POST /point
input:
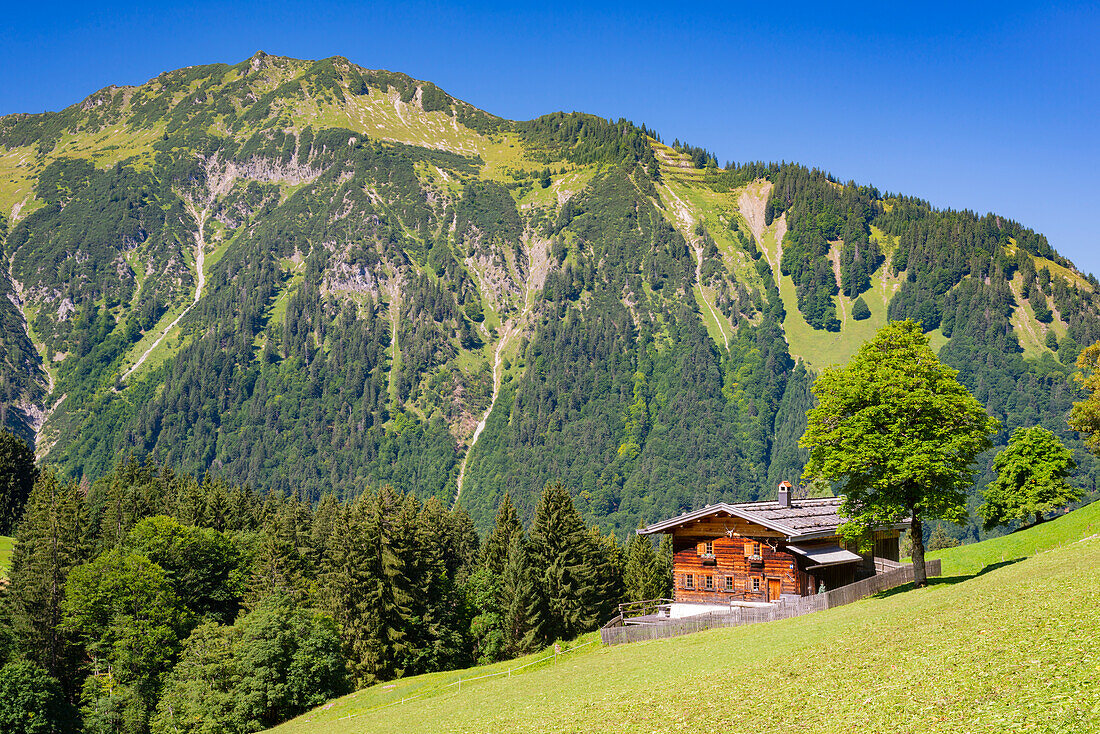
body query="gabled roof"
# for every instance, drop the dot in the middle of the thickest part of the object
(804, 519)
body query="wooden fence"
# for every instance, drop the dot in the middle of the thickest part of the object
(619, 631)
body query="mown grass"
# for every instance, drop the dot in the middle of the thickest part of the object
(993, 646)
(6, 545)
(1061, 531)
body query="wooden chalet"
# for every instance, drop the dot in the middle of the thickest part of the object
(762, 551)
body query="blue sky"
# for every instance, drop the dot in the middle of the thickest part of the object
(984, 107)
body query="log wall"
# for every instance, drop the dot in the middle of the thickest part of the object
(748, 575)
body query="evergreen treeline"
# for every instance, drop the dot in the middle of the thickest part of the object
(819, 213)
(150, 602)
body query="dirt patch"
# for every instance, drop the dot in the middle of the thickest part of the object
(834, 258)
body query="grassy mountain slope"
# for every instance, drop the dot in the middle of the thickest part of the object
(1003, 642)
(311, 276)
(5, 555)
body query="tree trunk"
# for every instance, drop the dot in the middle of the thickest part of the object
(916, 534)
(1038, 517)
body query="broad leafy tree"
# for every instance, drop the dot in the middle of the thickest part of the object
(1031, 478)
(1085, 416)
(899, 434)
(202, 565)
(123, 610)
(31, 701)
(289, 660)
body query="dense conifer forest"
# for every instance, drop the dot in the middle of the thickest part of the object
(148, 601)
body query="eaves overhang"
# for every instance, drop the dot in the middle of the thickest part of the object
(710, 511)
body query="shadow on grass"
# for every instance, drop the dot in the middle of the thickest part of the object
(948, 580)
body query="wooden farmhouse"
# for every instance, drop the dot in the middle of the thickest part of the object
(763, 551)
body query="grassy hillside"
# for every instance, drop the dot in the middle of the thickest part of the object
(5, 555)
(1004, 642)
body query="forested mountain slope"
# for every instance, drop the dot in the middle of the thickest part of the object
(308, 275)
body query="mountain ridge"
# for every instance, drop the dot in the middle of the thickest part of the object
(398, 287)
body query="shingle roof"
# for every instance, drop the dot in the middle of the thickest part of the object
(801, 518)
(806, 518)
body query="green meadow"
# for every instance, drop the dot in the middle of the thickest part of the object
(1004, 641)
(6, 545)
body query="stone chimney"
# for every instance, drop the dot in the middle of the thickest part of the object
(784, 497)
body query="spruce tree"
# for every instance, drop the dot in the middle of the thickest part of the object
(642, 575)
(350, 580)
(51, 540)
(386, 603)
(606, 568)
(17, 476)
(440, 637)
(664, 566)
(495, 553)
(463, 545)
(524, 614)
(860, 311)
(560, 550)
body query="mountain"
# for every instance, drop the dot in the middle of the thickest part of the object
(310, 276)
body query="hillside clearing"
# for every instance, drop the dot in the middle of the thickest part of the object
(6, 545)
(988, 648)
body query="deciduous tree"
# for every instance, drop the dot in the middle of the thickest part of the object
(1085, 416)
(31, 701)
(1031, 478)
(898, 433)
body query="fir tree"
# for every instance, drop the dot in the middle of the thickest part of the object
(495, 552)
(560, 551)
(642, 575)
(51, 540)
(17, 476)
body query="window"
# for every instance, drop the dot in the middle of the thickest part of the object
(708, 548)
(756, 584)
(689, 581)
(752, 549)
(708, 583)
(729, 583)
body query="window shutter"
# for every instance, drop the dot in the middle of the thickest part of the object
(701, 548)
(748, 548)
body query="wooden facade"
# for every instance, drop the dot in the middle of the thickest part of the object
(724, 554)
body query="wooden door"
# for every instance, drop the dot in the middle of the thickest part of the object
(774, 586)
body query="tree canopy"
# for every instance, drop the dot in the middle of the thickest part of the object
(1031, 478)
(898, 433)
(1085, 415)
(17, 475)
